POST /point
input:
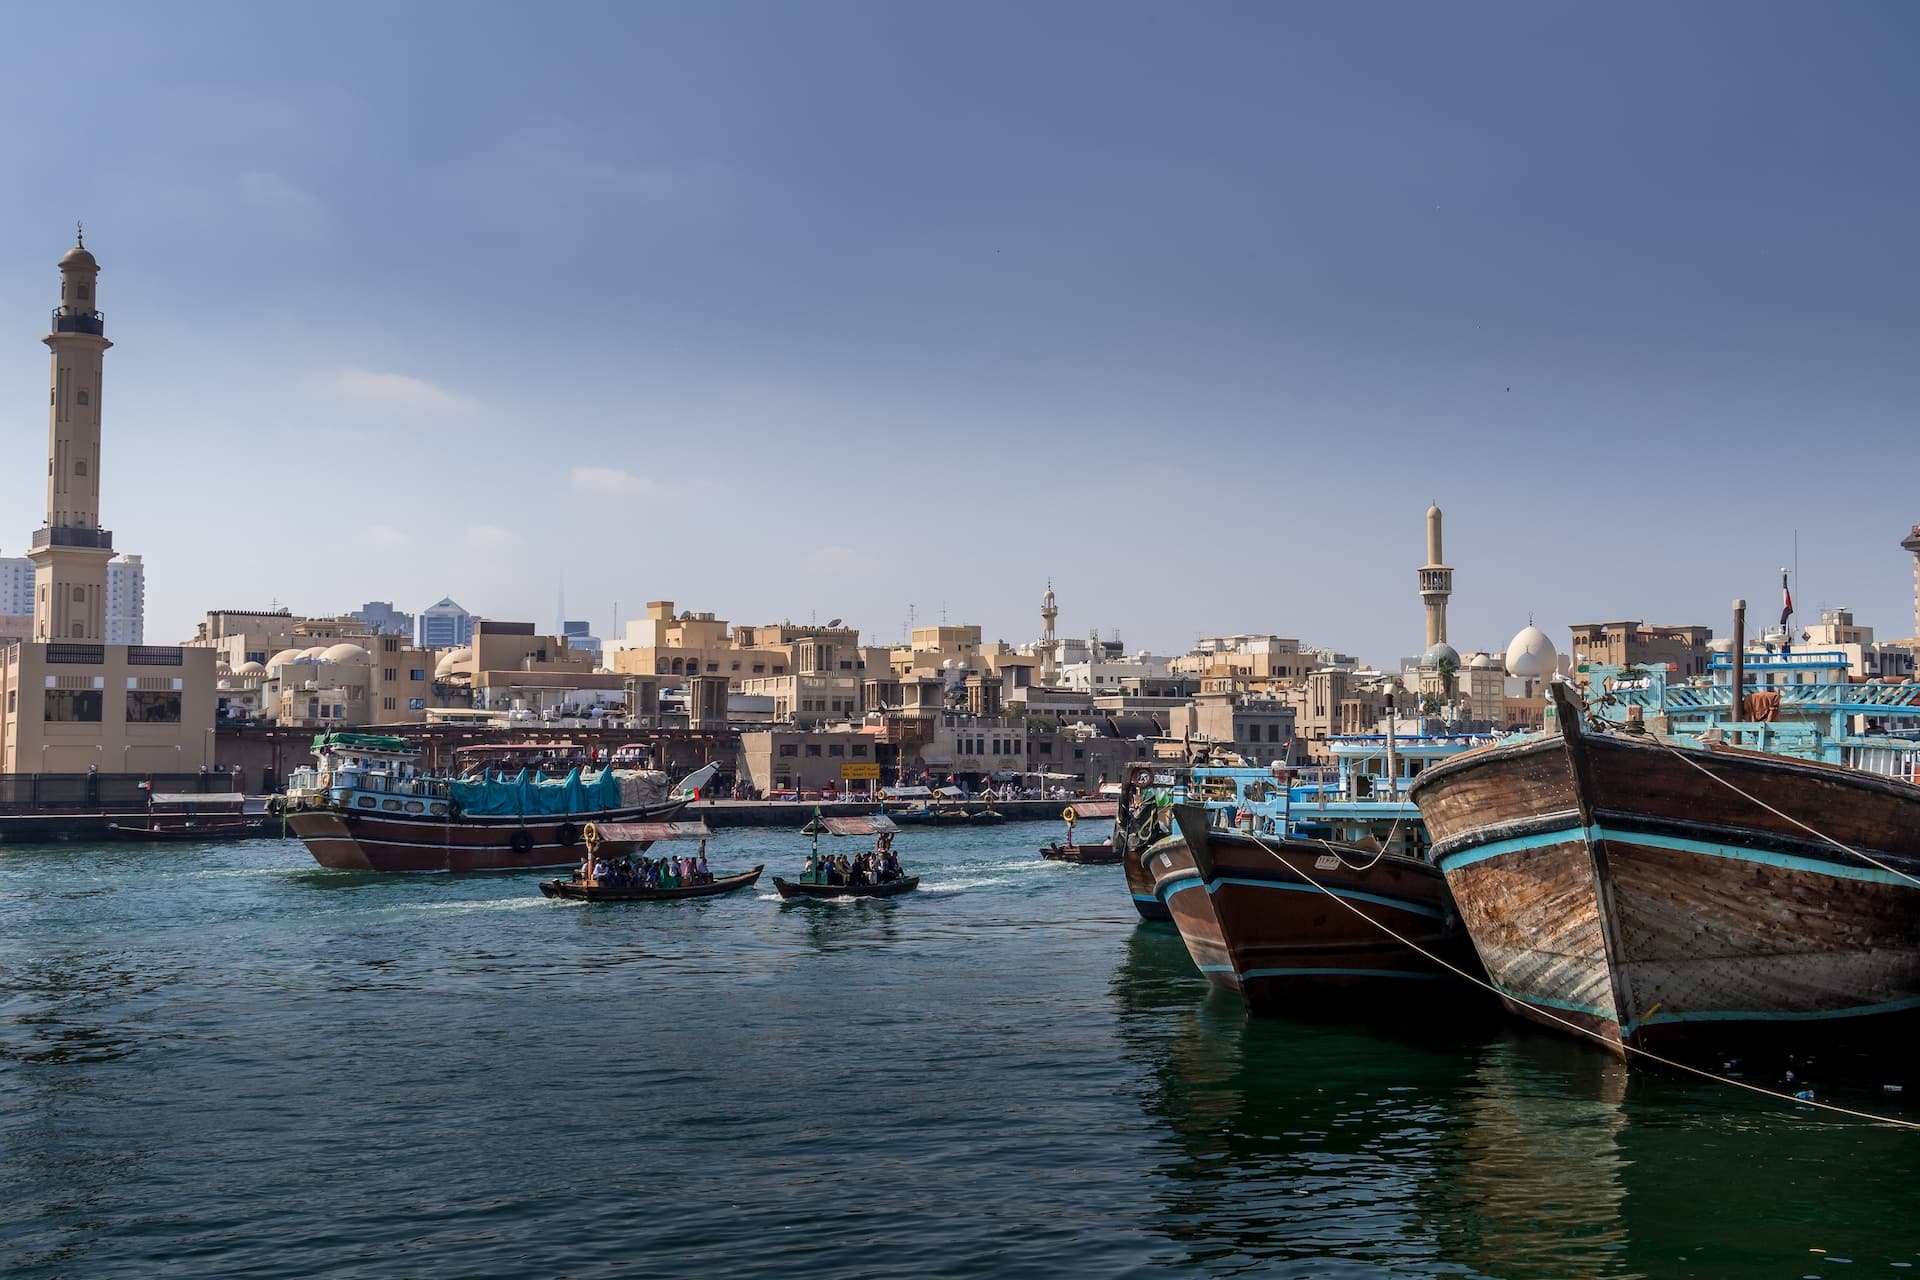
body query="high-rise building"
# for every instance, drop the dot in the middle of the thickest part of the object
(126, 601)
(382, 619)
(1912, 543)
(445, 625)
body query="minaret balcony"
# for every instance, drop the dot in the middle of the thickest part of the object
(66, 321)
(63, 536)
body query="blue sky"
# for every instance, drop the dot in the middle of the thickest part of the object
(823, 310)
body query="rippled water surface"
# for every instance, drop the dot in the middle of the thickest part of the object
(225, 1061)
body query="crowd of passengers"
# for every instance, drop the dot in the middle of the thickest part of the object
(646, 873)
(879, 866)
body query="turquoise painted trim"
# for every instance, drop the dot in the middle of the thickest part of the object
(1324, 973)
(1186, 882)
(1677, 844)
(1550, 1002)
(1343, 973)
(1735, 1015)
(1146, 897)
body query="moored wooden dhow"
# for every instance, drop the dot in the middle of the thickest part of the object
(1260, 917)
(1669, 893)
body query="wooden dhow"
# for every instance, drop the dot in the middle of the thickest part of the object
(1663, 891)
(366, 806)
(1299, 925)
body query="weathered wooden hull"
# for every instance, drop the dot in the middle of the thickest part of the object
(891, 888)
(351, 841)
(1083, 854)
(1140, 883)
(634, 893)
(1255, 922)
(1610, 884)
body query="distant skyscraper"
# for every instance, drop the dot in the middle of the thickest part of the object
(445, 626)
(381, 618)
(580, 636)
(16, 586)
(1912, 543)
(126, 601)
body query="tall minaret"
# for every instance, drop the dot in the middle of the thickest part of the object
(1912, 543)
(70, 554)
(1049, 647)
(1436, 582)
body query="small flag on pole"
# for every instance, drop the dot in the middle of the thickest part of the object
(1786, 599)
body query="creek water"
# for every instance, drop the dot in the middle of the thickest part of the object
(225, 1061)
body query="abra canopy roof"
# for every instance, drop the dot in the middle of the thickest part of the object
(874, 824)
(637, 832)
(212, 800)
(1081, 809)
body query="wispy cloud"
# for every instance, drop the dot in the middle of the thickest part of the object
(833, 560)
(548, 171)
(382, 536)
(287, 202)
(394, 391)
(490, 537)
(612, 481)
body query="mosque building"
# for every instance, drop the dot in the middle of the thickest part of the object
(75, 701)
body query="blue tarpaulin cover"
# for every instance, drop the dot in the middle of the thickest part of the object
(594, 791)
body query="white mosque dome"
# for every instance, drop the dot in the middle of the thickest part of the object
(344, 652)
(1480, 661)
(1531, 656)
(449, 660)
(249, 669)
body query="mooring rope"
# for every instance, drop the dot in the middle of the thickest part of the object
(1787, 817)
(1571, 1025)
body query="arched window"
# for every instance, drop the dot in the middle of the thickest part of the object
(80, 396)
(80, 466)
(79, 630)
(79, 595)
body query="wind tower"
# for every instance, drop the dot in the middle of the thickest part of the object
(1436, 582)
(1049, 646)
(1912, 543)
(71, 551)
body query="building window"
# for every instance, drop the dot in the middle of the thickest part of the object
(80, 464)
(80, 397)
(388, 703)
(736, 666)
(79, 630)
(72, 706)
(416, 704)
(859, 749)
(389, 674)
(145, 707)
(836, 750)
(759, 668)
(158, 655)
(1079, 753)
(713, 668)
(79, 595)
(416, 673)
(13, 700)
(813, 748)
(788, 749)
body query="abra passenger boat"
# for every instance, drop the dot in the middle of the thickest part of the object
(878, 825)
(367, 807)
(193, 816)
(1658, 886)
(621, 838)
(1101, 853)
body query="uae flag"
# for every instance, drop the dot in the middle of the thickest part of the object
(1786, 599)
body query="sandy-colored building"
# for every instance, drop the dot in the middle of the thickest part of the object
(689, 644)
(1626, 644)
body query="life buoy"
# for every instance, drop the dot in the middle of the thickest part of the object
(521, 842)
(1068, 815)
(568, 835)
